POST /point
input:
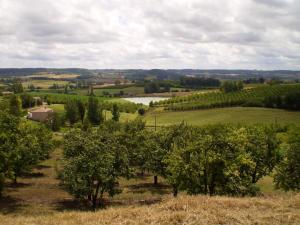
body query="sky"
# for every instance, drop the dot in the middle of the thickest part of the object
(147, 34)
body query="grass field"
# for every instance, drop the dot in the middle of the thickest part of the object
(124, 117)
(235, 115)
(244, 115)
(59, 108)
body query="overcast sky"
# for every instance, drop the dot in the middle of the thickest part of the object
(204, 34)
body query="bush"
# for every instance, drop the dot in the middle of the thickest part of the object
(141, 111)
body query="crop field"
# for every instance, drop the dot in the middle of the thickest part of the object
(55, 76)
(44, 84)
(245, 115)
(219, 99)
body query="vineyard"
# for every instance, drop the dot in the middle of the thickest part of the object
(246, 97)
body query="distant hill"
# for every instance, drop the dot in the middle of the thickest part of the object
(136, 74)
(15, 72)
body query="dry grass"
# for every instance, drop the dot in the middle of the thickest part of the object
(55, 76)
(44, 84)
(183, 210)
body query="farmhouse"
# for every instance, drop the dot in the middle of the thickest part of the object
(40, 114)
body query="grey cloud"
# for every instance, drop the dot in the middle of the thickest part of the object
(275, 3)
(249, 34)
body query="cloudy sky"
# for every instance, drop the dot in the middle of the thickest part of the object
(229, 34)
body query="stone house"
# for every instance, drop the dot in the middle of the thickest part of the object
(40, 114)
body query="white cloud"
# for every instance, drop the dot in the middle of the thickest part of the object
(248, 34)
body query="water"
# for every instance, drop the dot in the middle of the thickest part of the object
(145, 100)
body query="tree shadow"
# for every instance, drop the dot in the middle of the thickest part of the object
(141, 202)
(85, 206)
(17, 185)
(72, 205)
(10, 205)
(153, 188)
(142, 176)
(40, 167)
(33, 175)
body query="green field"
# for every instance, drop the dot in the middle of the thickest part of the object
(246, 115)
(124, 117)
(59, 108)
(62, 98)
(132, 90)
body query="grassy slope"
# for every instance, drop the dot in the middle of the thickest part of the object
(211, 116)
(183, 210)
(225, 115)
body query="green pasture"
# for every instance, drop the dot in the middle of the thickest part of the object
(244, 115)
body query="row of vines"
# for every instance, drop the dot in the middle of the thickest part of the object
(246, 97)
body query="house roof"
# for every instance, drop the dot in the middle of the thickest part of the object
(42, 109)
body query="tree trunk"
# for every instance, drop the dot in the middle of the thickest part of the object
(254, 176)
(155, 180)
(175, 191)
(212, 189)
(205, 173)
(101, 201)
(205, 182)
(94, 202)
(15, 180)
